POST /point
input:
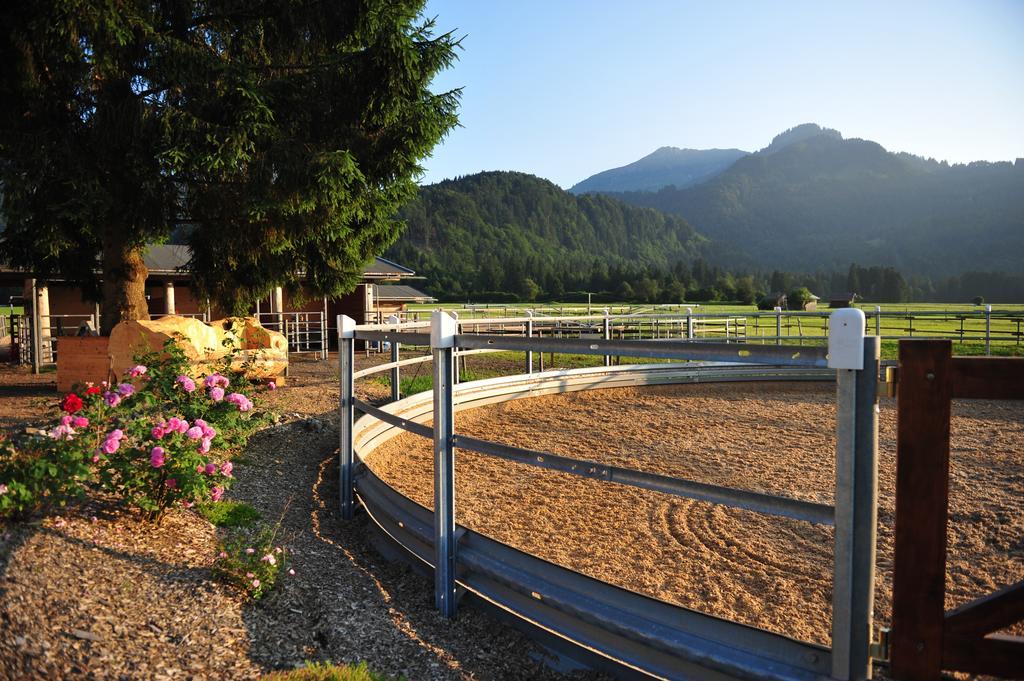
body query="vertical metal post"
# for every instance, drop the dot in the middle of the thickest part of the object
(988, 329)
(346, 412)
(878, 320)
(689, 323)
(443, 329)
(455, 351)
(396, 392)
(856, 493)
(529, 334)
(606, 333)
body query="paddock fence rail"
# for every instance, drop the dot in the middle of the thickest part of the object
(632, 633)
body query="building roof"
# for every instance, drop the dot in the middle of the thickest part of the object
(401, 293)
(173, 259)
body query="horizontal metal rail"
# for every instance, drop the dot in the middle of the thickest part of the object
(768, 504)
(405, 424)
(807, 356)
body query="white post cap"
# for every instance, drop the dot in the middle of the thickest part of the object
(346, 326)
(778, 309)
(394, 319)
(443, 328)
(846, 339)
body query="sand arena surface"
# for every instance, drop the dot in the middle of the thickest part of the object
(779, 438)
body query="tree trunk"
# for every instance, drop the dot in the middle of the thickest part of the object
(124, 284)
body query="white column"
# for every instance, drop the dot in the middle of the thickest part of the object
(43, 305)
(278, 307)
(169, 297)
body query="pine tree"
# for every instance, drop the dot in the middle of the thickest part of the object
(280, 137)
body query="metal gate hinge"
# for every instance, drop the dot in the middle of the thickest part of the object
(879, 649)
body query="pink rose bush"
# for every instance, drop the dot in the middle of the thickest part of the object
(153, 439)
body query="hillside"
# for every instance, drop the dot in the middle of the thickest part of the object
(814, 200)
(668, 166)
(512, 232)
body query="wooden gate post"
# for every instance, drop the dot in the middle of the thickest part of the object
(922, 502)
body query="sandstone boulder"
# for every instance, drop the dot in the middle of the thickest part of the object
(260, 352)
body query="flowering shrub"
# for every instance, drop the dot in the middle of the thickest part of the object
(251, 560)
(153, 439)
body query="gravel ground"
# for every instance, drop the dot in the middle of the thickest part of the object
(92, 592)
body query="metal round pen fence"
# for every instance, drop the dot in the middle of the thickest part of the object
(621, 630)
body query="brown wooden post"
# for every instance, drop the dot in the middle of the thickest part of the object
(922, 501)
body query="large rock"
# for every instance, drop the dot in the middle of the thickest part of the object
(262, 353)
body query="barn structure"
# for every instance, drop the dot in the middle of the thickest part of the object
(63, 306)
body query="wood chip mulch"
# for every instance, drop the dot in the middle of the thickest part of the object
(93, 592)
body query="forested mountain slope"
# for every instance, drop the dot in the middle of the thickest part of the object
(512, 232)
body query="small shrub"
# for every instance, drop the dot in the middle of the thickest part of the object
(228, 513)
(251, 559)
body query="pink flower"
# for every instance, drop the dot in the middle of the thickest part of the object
(63, 432)
(112, 399)
(157, 432)
(209, 433)
(216, 493)
(95, 458)
(171, 483)
(222, 555)
(186, 383)
(271, 386)
(110, 445)
(200, 468)
(250, 551)
(204, 446)
(194, 433)
(182, 426)
(241, 400)
(188, 504)
(290, 571)
(211, 468)
(216, 393)
(249, 575)
(81, 422)
(255, 583)
(226, 468)
(156, 457)
(66, 420)
(125, 389)
(277, 550)
(3, 489)
(117, 434)
(216, 380)
(199, 422)
(137, 370)
(269, 558)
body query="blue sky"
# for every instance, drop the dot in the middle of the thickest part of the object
(566, 88)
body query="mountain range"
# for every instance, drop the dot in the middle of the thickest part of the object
(812, 199)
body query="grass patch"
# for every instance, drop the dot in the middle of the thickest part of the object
(229, 513)
(329, 672)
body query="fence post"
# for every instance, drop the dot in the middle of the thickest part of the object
(878, 320)
(346, 411)
(455, 351)
(856, 360)
(778, 325)
(689, 323)
(606, 333)
(443, 329)
(529, 334)
(988, 329)
(396, 392)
